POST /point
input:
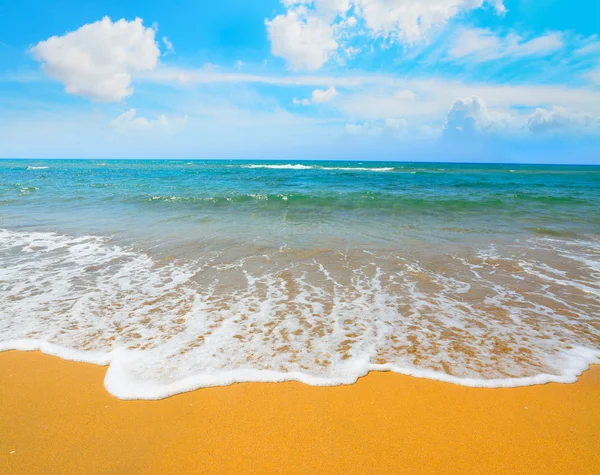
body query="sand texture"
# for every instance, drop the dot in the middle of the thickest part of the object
(56, 417)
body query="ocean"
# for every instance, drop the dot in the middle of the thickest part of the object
(183, 274)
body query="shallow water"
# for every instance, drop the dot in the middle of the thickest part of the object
(183, 274)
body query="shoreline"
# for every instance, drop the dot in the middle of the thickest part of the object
(117, 384)
(56, 416)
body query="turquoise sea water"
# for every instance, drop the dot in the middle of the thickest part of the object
(296, 199)
(182, 274)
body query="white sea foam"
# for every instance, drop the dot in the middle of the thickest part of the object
(290, 166)
(501, 318)
(282, 167)
(37, 168)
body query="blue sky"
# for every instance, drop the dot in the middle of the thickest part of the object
(444, 80)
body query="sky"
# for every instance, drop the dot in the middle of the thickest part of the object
(429, 80)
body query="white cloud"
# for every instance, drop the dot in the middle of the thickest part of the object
(388, 127)
(357, 129)
(207, 75)
(423, 101)
(349, 22)
(239, 64)
(593, 75)
(435, 96)
(168, 45)
(410, 21)
(351, 52)
(560, 120)
(405, 95)
(427, 132)
(318, 96)
(130, 122)
(589, 46)
(311, 31)
(484, 45)
(98, 59)
(216, 128)
(396, 124)
(471, 115)
(365, 129)
(301, 102)
(304, 41)
(333, 7)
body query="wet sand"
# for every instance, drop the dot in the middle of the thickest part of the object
(56, 417)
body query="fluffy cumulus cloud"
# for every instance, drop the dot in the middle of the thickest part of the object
(130, 122)
(471, 116)
(409, 21)
(313, 31)
(561, 121)
(304, 41)
(97, 60)
(478, 44)
(318, 96)
(470, 119)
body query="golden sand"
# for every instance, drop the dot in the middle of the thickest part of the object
(56, 417)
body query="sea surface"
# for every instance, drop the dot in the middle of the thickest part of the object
(187, 274)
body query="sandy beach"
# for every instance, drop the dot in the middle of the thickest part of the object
(300, 237)
(56, 417)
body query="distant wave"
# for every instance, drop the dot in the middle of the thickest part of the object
(298, 166)
(281, 167)
(37, 168)
(379, 201)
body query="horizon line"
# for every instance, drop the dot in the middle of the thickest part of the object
(311, 160)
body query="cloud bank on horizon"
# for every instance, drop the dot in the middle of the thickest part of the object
(475, 80)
